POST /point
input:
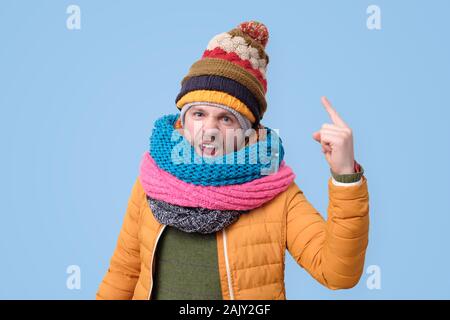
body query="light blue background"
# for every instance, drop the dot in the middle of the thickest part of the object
(77, 108)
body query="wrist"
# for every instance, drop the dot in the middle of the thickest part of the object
(349, 169)
(344, 171)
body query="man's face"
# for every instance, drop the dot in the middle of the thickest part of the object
(212, 131)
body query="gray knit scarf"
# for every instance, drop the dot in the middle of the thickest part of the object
(190, 219)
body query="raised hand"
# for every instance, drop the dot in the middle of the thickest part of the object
(336, 139)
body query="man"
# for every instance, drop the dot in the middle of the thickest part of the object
(199, 226)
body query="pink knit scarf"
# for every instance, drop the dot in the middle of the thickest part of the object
(164, 186)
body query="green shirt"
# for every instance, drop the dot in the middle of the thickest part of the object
(186, 266)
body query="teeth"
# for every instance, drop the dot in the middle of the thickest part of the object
(208, 145)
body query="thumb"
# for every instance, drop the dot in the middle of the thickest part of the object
(316, 136)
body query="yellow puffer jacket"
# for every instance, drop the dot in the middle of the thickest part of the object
(251, 251)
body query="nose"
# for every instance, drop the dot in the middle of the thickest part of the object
(210, 129)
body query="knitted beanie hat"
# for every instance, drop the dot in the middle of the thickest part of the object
(231, 74)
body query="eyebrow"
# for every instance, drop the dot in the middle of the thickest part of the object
(222, 113)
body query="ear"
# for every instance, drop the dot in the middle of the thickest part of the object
(177, 124)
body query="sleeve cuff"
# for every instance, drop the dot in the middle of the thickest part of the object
(350, 179)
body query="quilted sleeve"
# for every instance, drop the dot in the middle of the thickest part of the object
(331, 251)
(124, 269)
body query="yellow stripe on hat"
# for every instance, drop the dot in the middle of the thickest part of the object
(217, 97)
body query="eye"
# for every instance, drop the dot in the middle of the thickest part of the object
(197, 113)
(227, 119)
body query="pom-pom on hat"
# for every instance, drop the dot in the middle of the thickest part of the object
(231, 73)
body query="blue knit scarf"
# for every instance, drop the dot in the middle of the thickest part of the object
(173, 153)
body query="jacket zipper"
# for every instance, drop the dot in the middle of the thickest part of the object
(152, 258)
(230, 287)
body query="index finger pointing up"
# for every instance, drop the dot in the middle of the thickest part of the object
(337, 120)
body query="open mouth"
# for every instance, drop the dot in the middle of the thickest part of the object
(208, 149)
